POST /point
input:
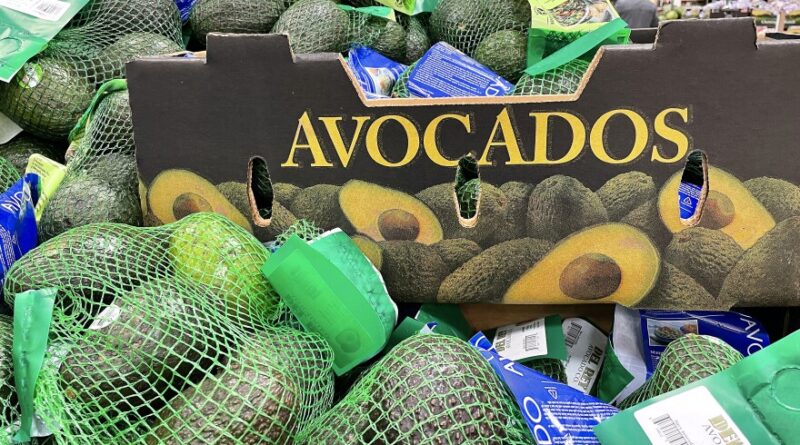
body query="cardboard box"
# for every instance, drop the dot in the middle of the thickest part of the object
(703, 85)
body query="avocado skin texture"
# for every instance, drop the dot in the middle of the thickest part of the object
(82, 200)
(561, 205)
(18, 150)
(465, 23)
(320, 205)
(412, 271)
(383, 35)
(647, 219)
(624, 193)
(314, 26)
(455, 252)
(112, 59)
(230, 16)
(517, 194)
(282, 218)
(130, 366)
(8, 174)
(284, 193)
(768, 274)
(781, 198)
(417, 39)
(486, 277)
(8, 393)
(491, 211)
(505, 53)
(676, 290)
(704, 254)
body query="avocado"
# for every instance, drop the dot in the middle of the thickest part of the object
(82, 199)
(646, 218)
(674, 289)
(468, 197)
(517, 194)
(563, 80)
(230, 16)
(210, 250)
(139, 348)
(320, 205)
(455, 252)
(491, 211)
(561, 205)
(610, 262)
(8, 174)
(623, 193)
(281, 219)
(781, 198)
(412, 271)
(768, 274)
(160, 16)
(176, 193)
(485, 277)
(46, 98)
(385, 214)
(504, 52)
(729, 207)
(315, 26)
(110, 62)
(117, 169)
(417, 40)
(381, 34)
(427, 389)
(464, 24)
(686, 360)
(284, 193)
(704, 254)
(370, 249)
(18, 150)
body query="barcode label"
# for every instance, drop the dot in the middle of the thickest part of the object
(531, 342)
(521, 341)
(586, 348)
(670, 430)
(573, 332)
(50, 10)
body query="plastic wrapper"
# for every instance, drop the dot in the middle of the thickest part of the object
(375, 73)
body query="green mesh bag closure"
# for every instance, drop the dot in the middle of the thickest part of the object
(686, 360)
(563, 80)
(464, 24)
(315, 26)
(19, 149)
(381, 34)
(170, 335)
(52, 91)
(429, 389)
(101, 183)
(234, 16)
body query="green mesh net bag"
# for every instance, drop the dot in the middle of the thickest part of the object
(464, 24)
(9, 410)
(417, 39)
(686, 360)
(562, 80)
(429, 389)
(8, 174)
(234, 16)
(551, 367)
(315, 26)
(18, 150)
(505, 53)
(52, 91)
(101, 183)
(386, 36)
(468, 196)
(170, 335)
(400, 88)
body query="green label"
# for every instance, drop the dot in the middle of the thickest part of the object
(30, 75)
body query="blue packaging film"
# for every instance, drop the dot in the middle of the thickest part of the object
(375, 73)
(444, 71)
(185, 7)
(659, 328)
(18, 233)
(691, 189)
(689, 198)
(555, 413)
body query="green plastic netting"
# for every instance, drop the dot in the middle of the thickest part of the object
(417, 39)
(551, 367)
(170, 335)
(315, 26)
(8, 394)
(386, 36)
(429, 389)
(101, 183)
(504, 52)
(234, 16)
(18, 150)
(468, 196)
(8, 174)
(563, 80)
(400, 88)
(686, 360)
(52, 91)
(464, 24)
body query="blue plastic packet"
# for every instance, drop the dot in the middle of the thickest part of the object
(693, 189)
(375, 73)
(185, 7)
(555, 413)
(444, 71)
(18, 221)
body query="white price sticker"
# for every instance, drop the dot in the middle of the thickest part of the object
(522, 340)
(50, 10)
(586, 347)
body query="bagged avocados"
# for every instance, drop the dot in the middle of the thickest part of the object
(170, 335)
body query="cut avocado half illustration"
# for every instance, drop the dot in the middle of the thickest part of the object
(602, 264)
(729, 207)
(176, 193)
(370, 249)
(385, 214)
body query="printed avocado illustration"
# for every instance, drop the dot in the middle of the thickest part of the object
(704, 254)
(605, 263)
(769, 273)
(176, 193)
(491, 211)
(282, 218)
(412, 271)
(624, 193)
(676, 289)
(561, 205)
(370, 249)
(284, 193)
(730, 207)
(781, 198)
(320, 205)
(517, 195)
(485, 277)
(455, 252)
(646, 218)
(385, 214)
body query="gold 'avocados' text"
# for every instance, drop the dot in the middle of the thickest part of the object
(670, 143)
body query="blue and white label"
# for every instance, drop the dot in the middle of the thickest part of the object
(689, 199)
(376, 74)
(447, 72)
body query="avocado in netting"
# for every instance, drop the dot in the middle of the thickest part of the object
(231, 16)
(112, 59)
(19, 150)
(315, 26)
